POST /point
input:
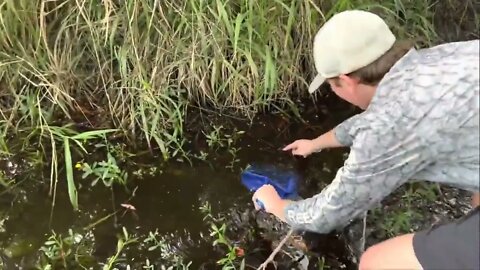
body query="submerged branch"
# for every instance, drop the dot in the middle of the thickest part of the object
(270, 258)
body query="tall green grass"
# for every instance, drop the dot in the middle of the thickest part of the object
(137, 65)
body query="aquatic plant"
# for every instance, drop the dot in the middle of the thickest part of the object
(404, 216)
(65, 136)
(66, 252)
(106, 170)
(123, 241)
(218, 231)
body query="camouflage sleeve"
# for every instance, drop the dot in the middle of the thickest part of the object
(375, 167)
(342, 131)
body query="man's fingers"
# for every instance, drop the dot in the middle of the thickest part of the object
(290, 146)
(296, 152)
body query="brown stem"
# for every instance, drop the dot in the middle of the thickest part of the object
(275, 251)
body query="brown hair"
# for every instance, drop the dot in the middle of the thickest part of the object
(373, 73)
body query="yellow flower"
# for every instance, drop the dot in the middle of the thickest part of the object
(78, 165)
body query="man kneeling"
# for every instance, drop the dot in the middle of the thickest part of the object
(420, 121)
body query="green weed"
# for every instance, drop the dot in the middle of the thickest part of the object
(322, 264)
(155, 242)
(123, 241)
(5, 181)
(74, 250)
(230, 260)
(65, 251)
(66, 136)
(108, 171)
(218, 139)
(398, 220)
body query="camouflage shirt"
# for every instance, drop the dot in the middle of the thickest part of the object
(422, 124)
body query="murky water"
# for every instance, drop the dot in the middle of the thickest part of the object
(167, 197)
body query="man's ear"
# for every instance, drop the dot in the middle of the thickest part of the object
(348, 83)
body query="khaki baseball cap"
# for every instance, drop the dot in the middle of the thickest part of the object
(347, 42)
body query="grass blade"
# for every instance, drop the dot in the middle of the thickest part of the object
(72, 190)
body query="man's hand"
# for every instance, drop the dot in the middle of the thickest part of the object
(301, 147)
(271, 200)
(307, 147)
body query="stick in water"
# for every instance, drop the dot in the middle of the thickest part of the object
(275, 251)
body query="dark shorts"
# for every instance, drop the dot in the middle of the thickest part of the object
(451, 246)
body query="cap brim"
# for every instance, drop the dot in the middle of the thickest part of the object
(315, 84)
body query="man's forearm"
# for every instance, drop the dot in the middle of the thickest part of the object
(279, 209)
(326, 140)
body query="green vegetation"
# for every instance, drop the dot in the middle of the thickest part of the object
(406, 216)
(138, 65)
(65, 252)
(107, 171)
(231, 259)
(123, 241)
(77, 75)
(322, 265)
(74, 252)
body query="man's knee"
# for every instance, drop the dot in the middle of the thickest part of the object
(395, 253)
(475, 199)
(367, 260)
